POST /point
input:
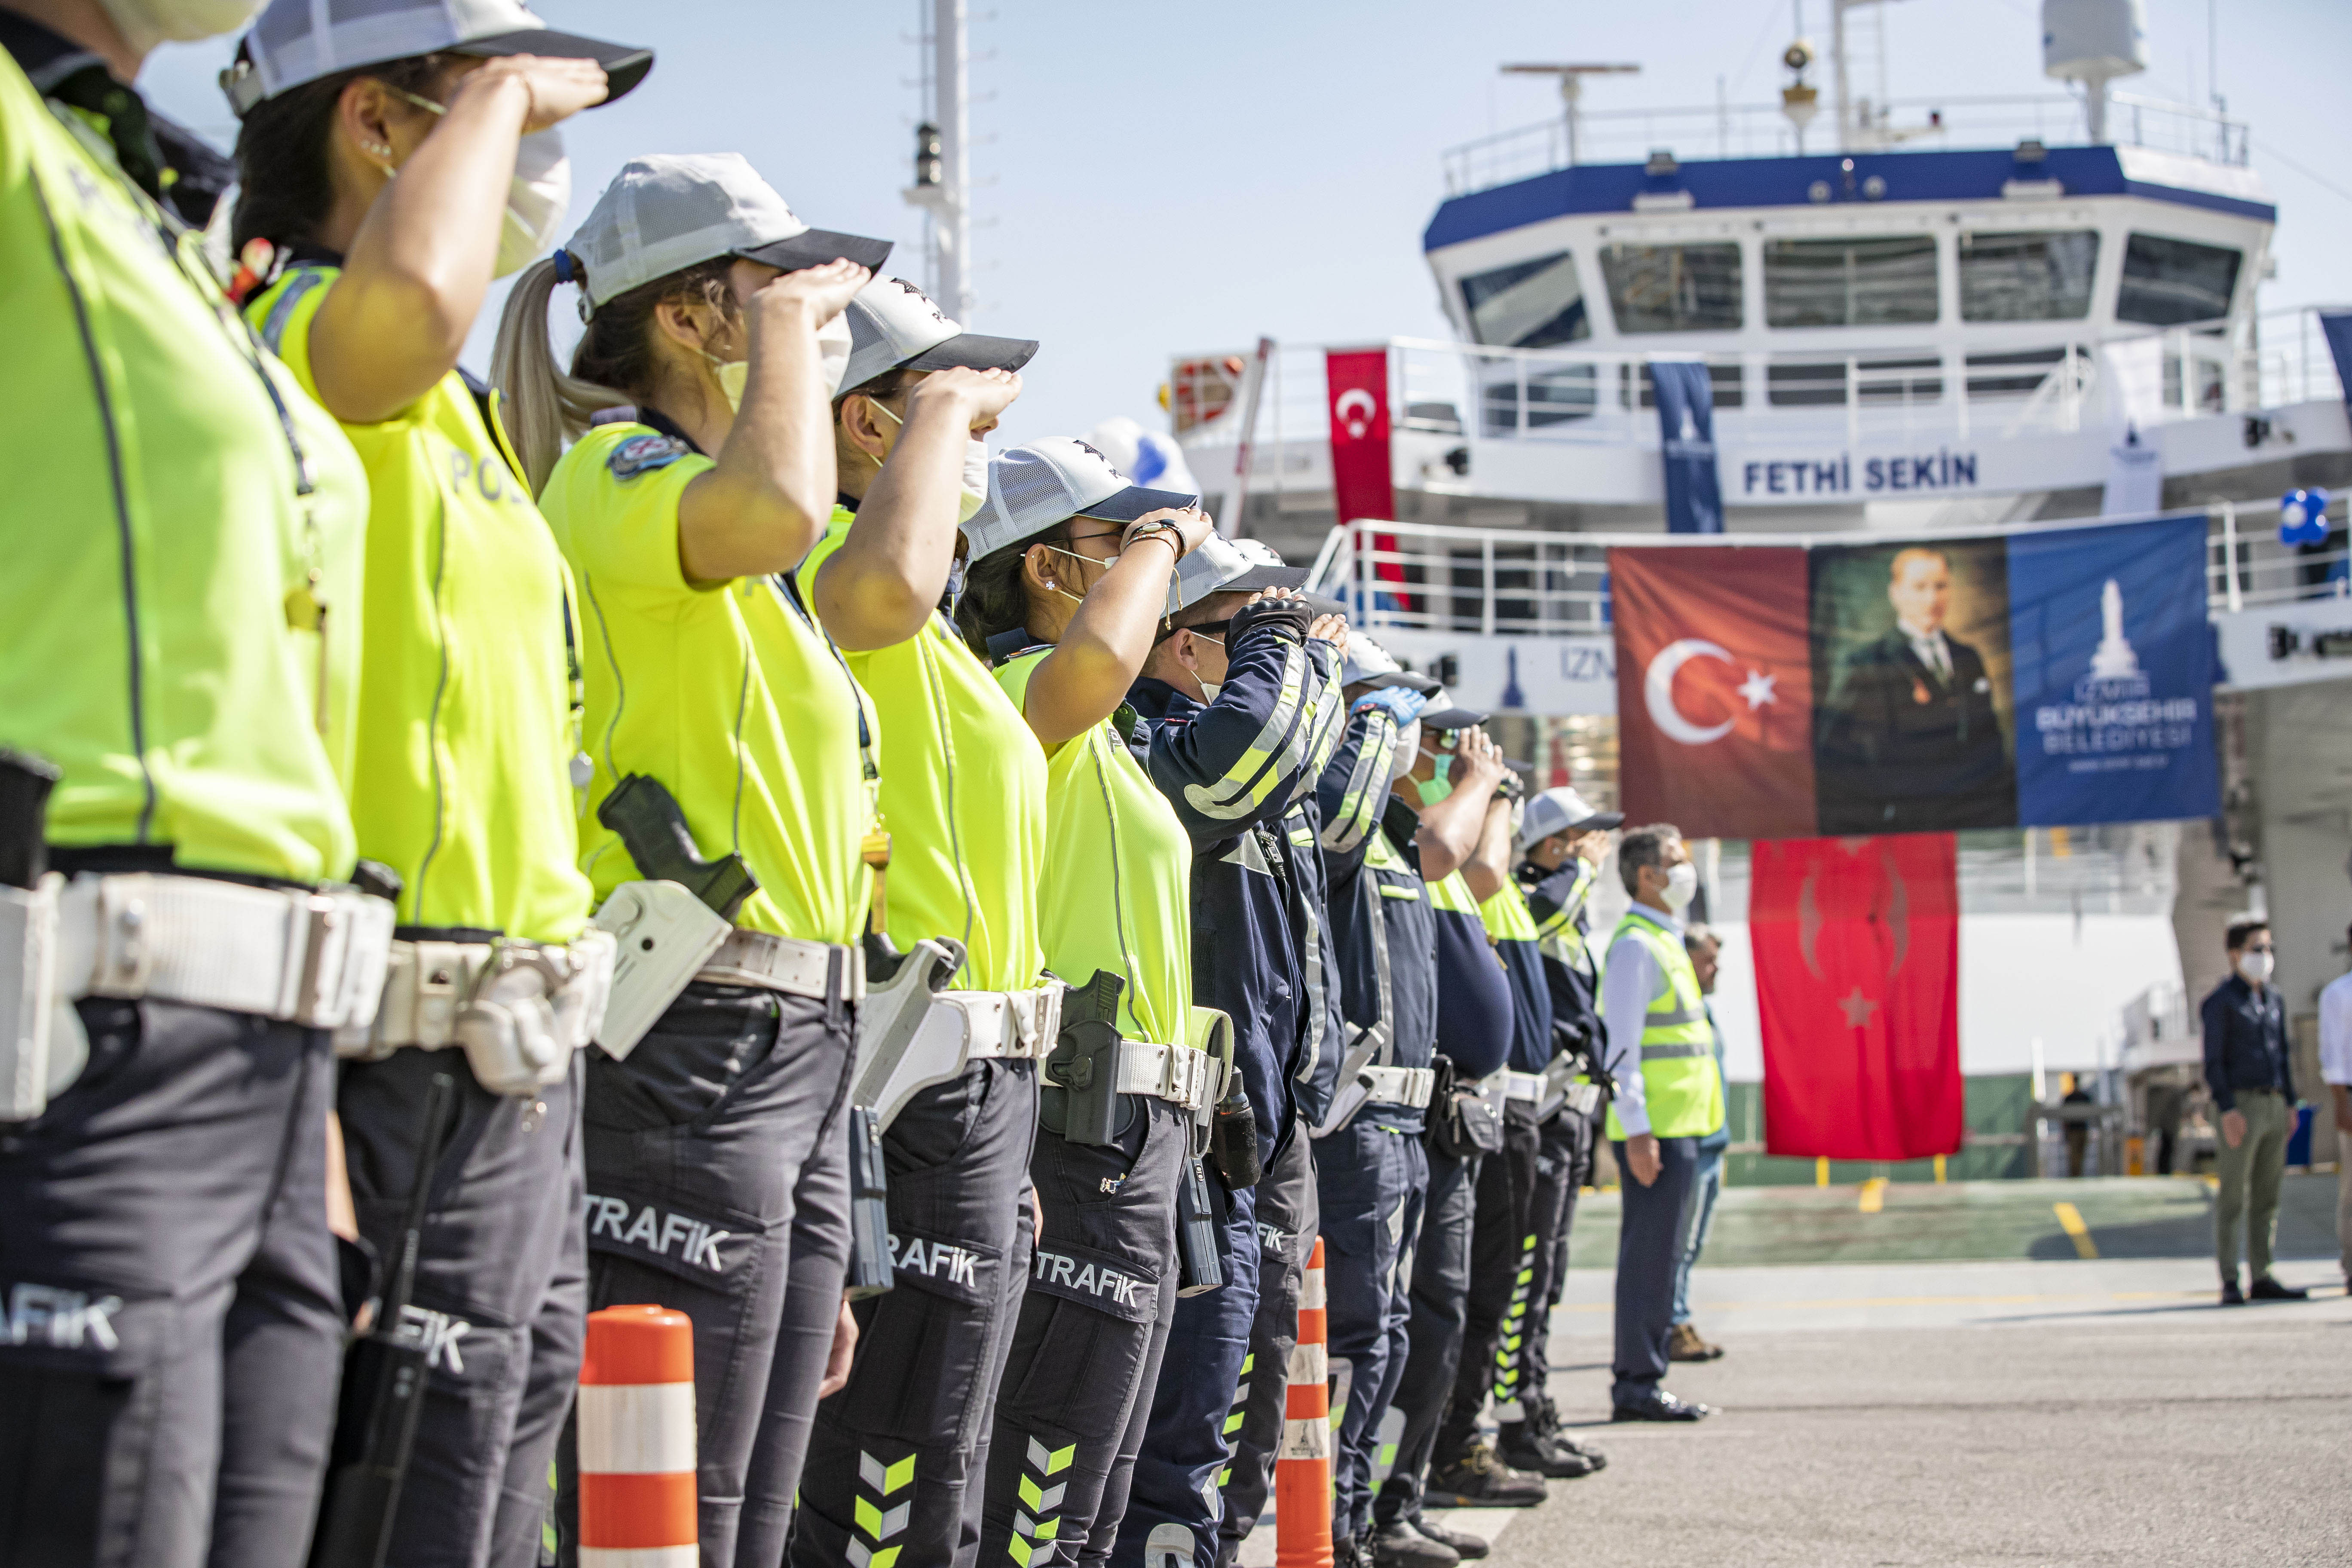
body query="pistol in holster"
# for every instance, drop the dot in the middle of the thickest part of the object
(1084, 1066)
(653, 829)
(896, 1056)
(29, 1004)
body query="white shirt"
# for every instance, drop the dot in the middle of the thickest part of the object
(2335, 1031)
(1627, 982)
(1933, 650)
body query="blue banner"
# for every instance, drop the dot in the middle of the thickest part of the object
(1686, 425)
(2337, 326)
(2113, 674)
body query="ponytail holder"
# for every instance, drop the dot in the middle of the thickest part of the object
(565, 271)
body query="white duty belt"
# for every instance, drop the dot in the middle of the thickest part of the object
(308, 957)
(1019, 1025)
(312, 958)
(1408, 1087)
(1526, 1087)
(429, 986)
(1177, 1074)
(789, 965)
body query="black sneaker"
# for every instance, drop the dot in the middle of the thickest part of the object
(2269, 1289)
(1399, 1545)
(1350, 1554)
(1543, 1421)
(1479, 1480)
(1522, 1448)
(2230, 1295)
(1466, 1545)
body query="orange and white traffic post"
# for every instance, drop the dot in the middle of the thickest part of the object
(637, 1497)
(1302, 1466)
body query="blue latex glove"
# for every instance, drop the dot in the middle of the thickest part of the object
(1403, 703)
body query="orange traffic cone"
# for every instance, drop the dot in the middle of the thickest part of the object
(637, 1497)
(1302, 1466)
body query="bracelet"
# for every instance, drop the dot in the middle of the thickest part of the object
(1162, 529)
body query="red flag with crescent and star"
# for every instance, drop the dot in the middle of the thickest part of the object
(1715, 689)
(1857, 950)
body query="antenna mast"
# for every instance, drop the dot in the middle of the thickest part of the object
(943, 186)
(1572, 81)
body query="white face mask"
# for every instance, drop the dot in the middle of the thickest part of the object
(2257, 966)
(536, 201)
(1681, 886)
(732, 375)
(1209, 688)
(974, 493)
(147, 22)
(833, 352)
(1407, 754)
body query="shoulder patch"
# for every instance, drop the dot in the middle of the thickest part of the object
(644, 453)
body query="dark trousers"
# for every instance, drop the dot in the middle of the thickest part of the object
(1440, 1269)
(1502, 1281)
(1571, 1141)
(1370, 1182)
(897, 1455)
(1287, 1219)
(171, 1325)
(1563, 1163)
(1649, 1253)
(1172, 1508)
(1093, 1327)
(718, 1185)
(502, 1294)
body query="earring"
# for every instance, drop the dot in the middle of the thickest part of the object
(376, 148)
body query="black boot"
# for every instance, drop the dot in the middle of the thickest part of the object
(1466, 1545)
(1399, 1546)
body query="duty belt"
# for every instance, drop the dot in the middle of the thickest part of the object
(1527, 1086)
(429, 986)
(789, 965)
(312, 958)
(1408, 1087)
(1021, 1024)
(1177, 1074)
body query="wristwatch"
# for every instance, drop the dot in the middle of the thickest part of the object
(1146, 530)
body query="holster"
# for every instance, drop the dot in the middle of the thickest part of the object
(1085, 1063)
(665, 934)
(1355, 1089)
(900, 989)
(869, 1207)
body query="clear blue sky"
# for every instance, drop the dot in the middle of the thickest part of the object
(1159, 179)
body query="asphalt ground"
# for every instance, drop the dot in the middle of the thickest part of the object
(2003, 1399)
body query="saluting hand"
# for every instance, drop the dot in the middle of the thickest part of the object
(559, 89)
(1332, 629)
(821, 290)
(987, 392)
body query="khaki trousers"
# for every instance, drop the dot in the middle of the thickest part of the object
(2343, 1192)
(2250, 1175)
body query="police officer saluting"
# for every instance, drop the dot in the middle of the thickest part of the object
(895, 1459)
(391, 165)
(717, 708)
(176, 943)
(1241, 711)
(1071, 568)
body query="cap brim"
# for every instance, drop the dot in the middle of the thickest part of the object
(1441, 718)
(816, 247)
(1258, 577)
(1135, 501)
(626, 65)
(974, 351)
(1382, 679)
(1599, 821)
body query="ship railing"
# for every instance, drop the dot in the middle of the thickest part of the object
(2291, 361)
(1918, 391)
(1763, 131)
(1507, 581)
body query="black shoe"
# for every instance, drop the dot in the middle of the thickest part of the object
(2269, 1289)
(1350, 1554)
(1466, 1545)
(1479, 1480)
(2230, 1295)
(1522, 1448)
(1660, 1406)
(1543, 1421)
(1399, 1545)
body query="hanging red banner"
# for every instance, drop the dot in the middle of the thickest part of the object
(1361, 481)
(1857, 983)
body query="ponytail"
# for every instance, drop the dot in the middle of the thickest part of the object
(546, 409)
(995, 599)
(614, 367)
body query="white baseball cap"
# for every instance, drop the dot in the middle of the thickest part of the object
(892, 325)
(1220, 565)
(298, 41)
(1562, 810)
(667, 211)
(1370, 664)
(1035, 486)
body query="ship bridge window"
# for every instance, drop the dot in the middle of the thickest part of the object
(1673, 287)
(2036, 275)
(2167, 282)
(1528, 305)
(1850, 282)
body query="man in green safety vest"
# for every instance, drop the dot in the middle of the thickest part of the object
(1669, 1096)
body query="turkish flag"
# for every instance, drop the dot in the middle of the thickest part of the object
(1361, 484)
(1857, 945)
(1715, 689)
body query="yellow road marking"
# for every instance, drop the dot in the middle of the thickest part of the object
(1874, 1194)
(1939, 1170)
(2070, 1219)
(1821, 1171)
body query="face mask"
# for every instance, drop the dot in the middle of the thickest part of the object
(2256, 967)
(1438, 785)
(536, 201)
(833, 353)
(732, 374)
(537, 197)
(1408, 752)
(147, 22)
(1681, 886)
(974, 493)
(1209, 688)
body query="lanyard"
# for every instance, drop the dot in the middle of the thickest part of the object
(874, 847)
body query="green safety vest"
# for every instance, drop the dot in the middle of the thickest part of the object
(1684, 1091)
